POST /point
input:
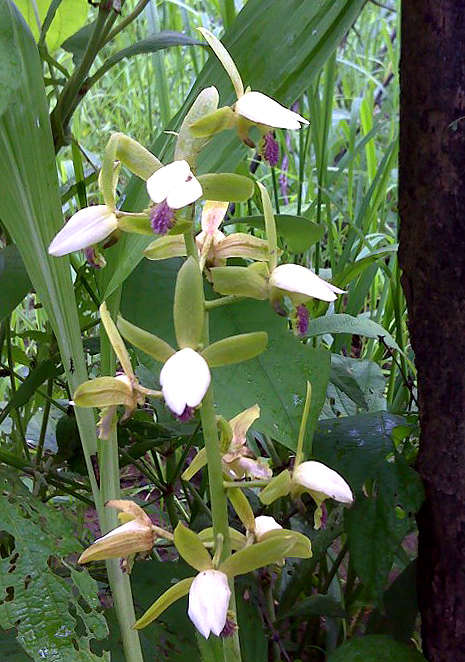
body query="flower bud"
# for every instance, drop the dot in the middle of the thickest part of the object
(87, 227)
(264, 524)
(184, 378)
(259, 108)
(294, 278)
(321, 481)
(209, 597)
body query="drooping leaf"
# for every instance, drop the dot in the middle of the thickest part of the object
(69, 17)
(342, 323)
(14, 281)
(276, 379)
(375, 647)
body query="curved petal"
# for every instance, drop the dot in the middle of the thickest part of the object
(209, 596)
(317, 477)
(184, 378)
(184, 192)
(264, 524)
(213, 213)
(257, 107)
(165, 179)
(298, 279)
(85, 228)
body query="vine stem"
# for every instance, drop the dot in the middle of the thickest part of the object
(110, 489)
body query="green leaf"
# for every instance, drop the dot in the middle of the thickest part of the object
(179, 590)
(30, 205)
(276, 379)
(69, 17)
(14, 281)
(297, 231)
(235, 349)
(316, 605)
(375, 647)
(342, 377)
(191, 548)
(342, 323)
(77, 42)
(10, 71)
(226, 187)
(147, 342)
(355, 383)
(41, 601)
(312, 30)
(188, 306)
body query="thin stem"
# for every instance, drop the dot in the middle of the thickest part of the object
(43, 428)
(126, 21)
(55, 403)
(303, 425)
(230, 484)
(16, 413)
(222, 301)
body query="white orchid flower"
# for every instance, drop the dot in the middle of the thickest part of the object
(209, 597)
(322, 482)
(254, 106)
(85, 228)
(174, 184)
(297, 279)
(184, 379)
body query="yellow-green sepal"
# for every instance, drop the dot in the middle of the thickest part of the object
(104, 392)
(256, 556)
(220, 120)
(179, 590)
(199, 461)
(301, 545)
(188, 145)
(236, 538)
(116, 341)
(166, 247)
(188, 308)
(240, 281)
(150, 344)
(191, 548)
(135, 224)
(242, 507)
(270, 226)
(226, 187)
(235, 349)
(278, 486)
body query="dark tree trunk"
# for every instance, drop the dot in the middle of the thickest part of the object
(432, 256)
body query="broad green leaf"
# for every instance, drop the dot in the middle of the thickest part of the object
(235, 349)
(342, 377)
(375, 647)
(191, 548)
(30, 206)
(297, 231)
(355, 383)
(42, 604)
(312, 32)
(342, 323)
(276, 379)
(69, 17)
(14, 281)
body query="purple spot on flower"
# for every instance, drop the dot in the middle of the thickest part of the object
(186, 415)
(94, 258)
(229, 628)
(161, 218)
(270, 149)
(301, 322)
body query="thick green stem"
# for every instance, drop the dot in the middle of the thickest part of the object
(110, 489)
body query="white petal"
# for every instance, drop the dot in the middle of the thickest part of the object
(263, 524)
(257, 107)
(165, 179)
(184, 378)
(87, 227)
(184, 192)
(298, 279)
(317, 477)
(209, 596)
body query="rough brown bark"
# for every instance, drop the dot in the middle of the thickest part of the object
(432, 256)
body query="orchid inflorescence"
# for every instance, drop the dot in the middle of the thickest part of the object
(185, 375)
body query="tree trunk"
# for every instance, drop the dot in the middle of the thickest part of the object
(432, 256)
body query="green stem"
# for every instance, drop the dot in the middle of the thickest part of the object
(230, 484)
(43, 427)
(110, 489)
(16, 414)
(222, 301)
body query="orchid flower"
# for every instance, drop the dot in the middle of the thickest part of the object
(109, 392)
(214, 246)
(171, 187)
(311, 476)
(137, 533)
(254, 107)
(85, 228)
(184, 379)
(238, 460)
